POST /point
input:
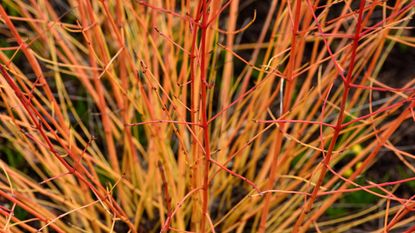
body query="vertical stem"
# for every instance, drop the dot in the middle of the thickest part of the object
(87, 18)
(167, 198)
(338, 127)
(193, 117)
(204, 112)
(285, 108)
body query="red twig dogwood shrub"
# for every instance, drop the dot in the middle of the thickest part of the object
(206, 116)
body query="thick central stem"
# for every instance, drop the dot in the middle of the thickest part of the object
(346, 83)
(204, 112)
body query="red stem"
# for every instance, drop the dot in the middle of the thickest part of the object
(339, 126)
(204, 110)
